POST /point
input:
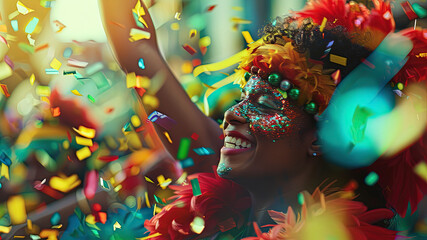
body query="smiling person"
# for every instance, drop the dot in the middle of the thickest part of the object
(295, 81)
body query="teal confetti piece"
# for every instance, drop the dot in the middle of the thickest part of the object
(196, 187)
(31, 25)
(67, 52)
(138, 23)
(141, 63)
(420, 11)
(104, 184)
(78, 76)
(371, 178)
(188, 162)
(51, 71)
(127, 127)
(91, 98)
(184, 147)
(14, 24)
(69, 72)
(158, 200)
(203, 151)
(55, 219)
(300, 198)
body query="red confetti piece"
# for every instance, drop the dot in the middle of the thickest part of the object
(189, 49)
(94, 147)
(203, 50)
(55, 111)
(409, 11)
(108, 158)
(109, 110)
(210, 8)
(51, 192)
(140, 91)
(221, 137)
(140, 129)
(102, 217)
(69, 136)
(41, 47)
(194, 136)
(196, 62)
(5, 90)
(91, 184)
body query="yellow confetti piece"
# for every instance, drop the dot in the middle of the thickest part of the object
(182, 178)
(55, 64)
(151, 236)
(138, 203)
(164, 183)
(90, 219)
(13, 15)
(84, 141)
(116, 226)
(50, 234)
(139, 10)
(136, 122)
(85, 132)
(29, 224)
(322, 26)
(137, 34)
(4, 171)
(148, 180)
(238, 20)
(175, 26)
(154, 210)
(168, 137)
(32, 79)
(131, 80)
(421, 170)
(117, 188)
(147, 201)
(22, 9)
(197, 225)
(75, 92)
(83, 153)
(43, 91)
(248, 37)
(63, 183)
(4, 229)
(338, 59)
(16, 209)
(205, 41)
(193, 33)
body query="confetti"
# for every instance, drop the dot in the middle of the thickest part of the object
(238, 20)
(116, 226)
(85, 132)
(56, 111)
(108, 158)
(203, 151)
(210, 8)
(371, 178)
(4, 229)
(183, 149)
(31, 25)
(64, 184)
(136, 122)
(151, 236)
(51, 71)
(177, 16)
(104, 184)
(141, 63)
(194, 136)
(147, 200)
(83, 153)
(59, 25)
(84, 141)
(167, 137)
(164, 183)
(4, 172)
(69, 72)
(193, 33)
(76, 63)
(4, 158)
(91, 99)
(16, 209)
(91, 184)
(420, 11)
(338, 59)
(189, 49)
(22, 9)
(188, 162)
(175, 26)
(55, 219)
(409, 11)
(162, 120)
(322, 26)
(12, 15)
(197, 225)
(137, 34)
(43, 91)
(421, 170)
(67, 52)
(196, 187)
(248, 37)
(75, 92)
(55, 64)
(14, 24)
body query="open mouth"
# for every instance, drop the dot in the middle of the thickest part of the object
(235, 143)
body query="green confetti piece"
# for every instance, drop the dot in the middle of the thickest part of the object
(300, 198)
(420, 11)
(371, 178)
(91, 98)
(184, 147)
(26, 48)
(196, 187)
(138, 23)
(158, 200)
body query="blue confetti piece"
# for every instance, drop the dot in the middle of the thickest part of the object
(188, 162)
(14, 24)
(203, 151)
(141, 63)
(5, 159)
(330, 44)
(371, 178)
(51, 71)
(67, 52)
(55, 219)
(32, 25)
(127, 127)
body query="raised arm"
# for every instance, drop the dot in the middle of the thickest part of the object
(173, 100)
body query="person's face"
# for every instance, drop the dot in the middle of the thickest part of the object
(265, 134)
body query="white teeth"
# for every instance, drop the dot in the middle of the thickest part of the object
(227, 139)
(237, 147)
(233, 140)
(228, 145)
(239, 141)
(249, 145)
(236, 143)
(243, 144)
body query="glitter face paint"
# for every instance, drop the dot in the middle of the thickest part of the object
(223, 170)
(267, 111)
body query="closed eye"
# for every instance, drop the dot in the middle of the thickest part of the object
(265, 102)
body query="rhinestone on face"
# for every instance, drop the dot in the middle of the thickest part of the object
(310, 108)
(294, 93)
(247, 76)
(285, 85)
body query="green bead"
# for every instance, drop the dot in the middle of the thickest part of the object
(311, 108)
(274, 79)
(294, 93)
(400, 86)
(247, 76)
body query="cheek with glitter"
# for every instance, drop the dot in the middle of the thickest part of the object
(264, 122)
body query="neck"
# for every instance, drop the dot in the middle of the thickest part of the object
(278, 192)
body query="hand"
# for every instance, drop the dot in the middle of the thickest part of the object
(118, 21)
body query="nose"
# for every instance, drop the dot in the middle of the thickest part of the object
(232, 118)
